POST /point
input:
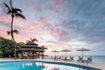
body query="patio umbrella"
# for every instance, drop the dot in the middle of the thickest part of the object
(55, 51)
(83, 50)
(65, 50)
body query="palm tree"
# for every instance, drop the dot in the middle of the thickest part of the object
(33, 40)
(14, 12)
(43, 48)
(12, 32)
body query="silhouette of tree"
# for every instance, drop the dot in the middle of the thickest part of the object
(44, 47)
(33, 40)
(14, 12)
(14, 31)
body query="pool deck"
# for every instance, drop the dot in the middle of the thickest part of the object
(99, 65)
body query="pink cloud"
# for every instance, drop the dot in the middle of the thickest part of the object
(28, 29)
(42, 20)
(57, 3)
(4, 17)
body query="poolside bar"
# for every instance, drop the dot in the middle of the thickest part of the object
(30, 50)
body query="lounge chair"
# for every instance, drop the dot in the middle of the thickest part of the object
(80, 59)
(59, 57)
(71, 58)
(89, 59)
(55, 57)
(63, 58)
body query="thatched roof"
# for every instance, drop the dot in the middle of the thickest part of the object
(31, 46)
(31, 49)
(31, 43)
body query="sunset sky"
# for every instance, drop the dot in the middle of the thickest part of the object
(59, 24)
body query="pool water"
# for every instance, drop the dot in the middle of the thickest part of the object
(39, 65)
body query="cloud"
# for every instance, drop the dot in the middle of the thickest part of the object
(43, 20)
(57, 4)
(58, 23)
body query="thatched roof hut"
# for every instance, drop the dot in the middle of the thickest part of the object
(29, 50)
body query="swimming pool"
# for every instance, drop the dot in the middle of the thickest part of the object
(40, 65)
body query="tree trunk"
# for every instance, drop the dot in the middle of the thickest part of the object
(12, 36)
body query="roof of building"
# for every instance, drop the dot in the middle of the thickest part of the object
(31, 43)
(31, 46)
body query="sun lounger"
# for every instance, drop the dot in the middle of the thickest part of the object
(65, 58)
(80, 59)
(59, 57)
(71, 58)
(89, 60)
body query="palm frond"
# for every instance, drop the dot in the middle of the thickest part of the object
(20, 15)
(9, 12)
(15, 31)
(8, 32)
(17, 9)
(11, 4)
(33, 39)
(6, 5)
(44, 47)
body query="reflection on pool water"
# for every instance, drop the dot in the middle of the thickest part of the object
(37, 65)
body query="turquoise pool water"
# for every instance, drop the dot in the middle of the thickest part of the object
(39, 65)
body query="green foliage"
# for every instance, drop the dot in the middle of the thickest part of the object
(7, 47)
(1, 54)
(19, 45)
(43, 47)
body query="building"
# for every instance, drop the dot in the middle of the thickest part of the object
(30, 50)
